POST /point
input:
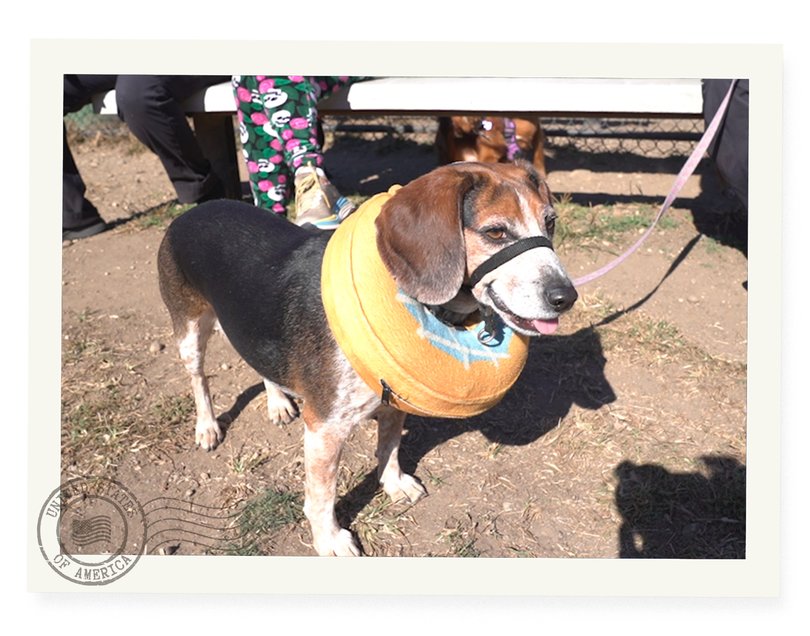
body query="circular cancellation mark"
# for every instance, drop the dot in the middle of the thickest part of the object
(91, 530)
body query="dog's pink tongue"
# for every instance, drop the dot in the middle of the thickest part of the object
(546, 327)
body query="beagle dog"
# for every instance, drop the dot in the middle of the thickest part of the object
(491, 140)
(259, 277)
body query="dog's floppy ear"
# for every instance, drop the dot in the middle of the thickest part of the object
(463, 125)
(420, 236)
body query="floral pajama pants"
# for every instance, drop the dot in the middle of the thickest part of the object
(278, 128)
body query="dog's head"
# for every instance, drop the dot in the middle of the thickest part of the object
(435, 232)
(488, 139)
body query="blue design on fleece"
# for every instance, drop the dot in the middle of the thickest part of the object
(462, 344)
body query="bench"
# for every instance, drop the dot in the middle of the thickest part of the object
(212, 110)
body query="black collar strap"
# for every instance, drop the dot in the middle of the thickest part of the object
(507, 254)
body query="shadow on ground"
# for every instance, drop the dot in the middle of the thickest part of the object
(716, 214)
(561, 371)
(682, 515)
(399, 161)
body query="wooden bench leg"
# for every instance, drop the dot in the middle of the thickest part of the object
(215, 134)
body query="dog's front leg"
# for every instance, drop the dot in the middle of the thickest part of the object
(399, 486)
(323, 443)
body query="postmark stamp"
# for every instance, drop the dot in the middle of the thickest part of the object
(91, 530)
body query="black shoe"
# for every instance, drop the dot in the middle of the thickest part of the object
(91, 230)
(216, 191)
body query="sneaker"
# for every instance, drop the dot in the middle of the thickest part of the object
(317, 201)
(341, 206)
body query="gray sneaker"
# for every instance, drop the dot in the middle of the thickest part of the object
(317, 201)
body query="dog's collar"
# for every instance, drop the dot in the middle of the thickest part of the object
(513, 150)
(403, 352)
(509, 132)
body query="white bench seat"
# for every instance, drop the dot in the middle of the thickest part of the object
(212, 109)
(430, 95)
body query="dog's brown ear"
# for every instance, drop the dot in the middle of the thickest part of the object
(463, 125)
(420, 236)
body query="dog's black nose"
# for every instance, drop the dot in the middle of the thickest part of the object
(562, 298)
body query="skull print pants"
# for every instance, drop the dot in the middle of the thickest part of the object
(279, 130)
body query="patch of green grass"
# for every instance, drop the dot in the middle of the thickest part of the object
(659, 335)
(76, 347)
(432, 479)
(261, 517)
(85, 315)
(712, 246)
(270, 511)
(173, 409)
(245, 463)
(462, 546)
(79, 422)
(93, 424)
(161, 215)
(494, 449)
(462, 537)
(582, 224)
(380, 518)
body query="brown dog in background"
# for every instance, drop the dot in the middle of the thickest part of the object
(491, 140)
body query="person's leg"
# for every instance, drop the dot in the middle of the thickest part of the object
(79, 90)
(317, 201)
(80, 217)
(150, 105)
(262, 148)
(279, 128)
(729, 150)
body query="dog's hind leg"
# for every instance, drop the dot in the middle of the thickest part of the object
(399, 486)
(193, 320)
(280, 407)
(192, 342)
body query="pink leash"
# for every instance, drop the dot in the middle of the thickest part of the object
(680, 181)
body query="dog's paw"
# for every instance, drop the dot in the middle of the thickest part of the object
(341, 543)
(404, 489)
(208, 435)
(281, 409)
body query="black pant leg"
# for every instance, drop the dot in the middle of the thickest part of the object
(729, 150)
(77, 211)
(79, 89)
(150, 105)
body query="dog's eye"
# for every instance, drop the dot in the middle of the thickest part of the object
(496, 233)
(551, 222)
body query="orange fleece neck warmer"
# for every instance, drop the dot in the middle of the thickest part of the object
(404, 353)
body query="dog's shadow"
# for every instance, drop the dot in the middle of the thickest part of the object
(226, 419)
(561, 371)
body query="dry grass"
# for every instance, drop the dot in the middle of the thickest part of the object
(109, 411)
(108, 417)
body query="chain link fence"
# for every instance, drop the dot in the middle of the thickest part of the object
(649, 137)
(85, 124)
(644, 136)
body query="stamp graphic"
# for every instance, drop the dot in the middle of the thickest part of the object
(91, 531)
(175, 525)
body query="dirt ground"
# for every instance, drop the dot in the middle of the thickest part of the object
(624, 437)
